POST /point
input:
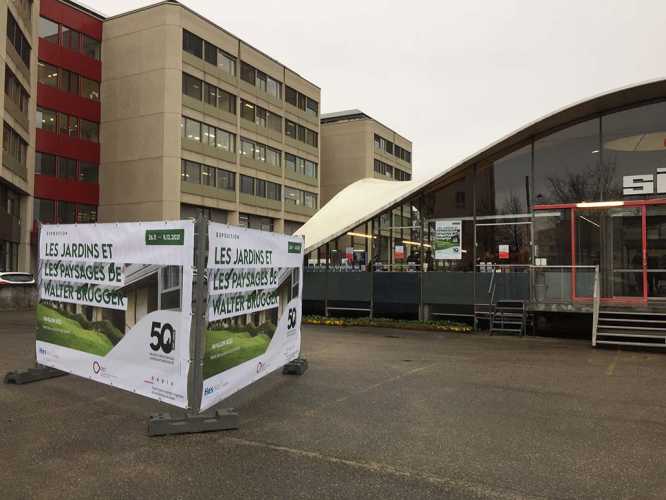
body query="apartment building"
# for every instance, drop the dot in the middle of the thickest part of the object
(18, 55)
(196, 120)
(355, 146)
(69, 72)
(153, 114)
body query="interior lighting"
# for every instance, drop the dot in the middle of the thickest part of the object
(600, 204)
(415, 243)
(362, 235)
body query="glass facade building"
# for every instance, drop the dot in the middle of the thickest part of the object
(581, 189)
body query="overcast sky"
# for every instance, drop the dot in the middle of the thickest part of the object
(452, 76)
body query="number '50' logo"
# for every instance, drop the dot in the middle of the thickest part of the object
(291, 320)
(163, 337)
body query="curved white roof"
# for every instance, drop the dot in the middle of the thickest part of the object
(367, 198)
(357, 202)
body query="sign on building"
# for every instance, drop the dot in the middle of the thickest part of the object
(116, 305)
(448, 240)
(254, 308)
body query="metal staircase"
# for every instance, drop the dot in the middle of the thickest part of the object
(509, 316)
(631, 327)
(503, 316)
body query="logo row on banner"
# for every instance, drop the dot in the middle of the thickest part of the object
(116, 307)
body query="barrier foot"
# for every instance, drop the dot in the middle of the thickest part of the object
(20, 377)
(296, 367)
(219, 420)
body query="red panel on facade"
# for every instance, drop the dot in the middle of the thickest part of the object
(56, 188)
(68, 59)
(65, 102)
(74, 18)
(69, 147)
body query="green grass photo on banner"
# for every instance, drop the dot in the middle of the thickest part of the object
(55, 328)
(226, 349)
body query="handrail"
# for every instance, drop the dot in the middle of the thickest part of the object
(596, 306)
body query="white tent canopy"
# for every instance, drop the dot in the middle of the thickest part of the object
(353, 205)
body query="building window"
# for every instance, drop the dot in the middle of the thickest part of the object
(207, 175)
(44, 211)
(256, 222)
(261, 152)
(191, 172)
(86, 214)
(301, 101)
(69, 81)
(14, 145)
(383, 169)
(310, 200)
(226, 180)
(88, 89)
(383, 144)
(261, 80)
(225, 141)
(192, 129)
(71, 39)
(292, 196)
(247, 185)
(247, 111)
(192, 87)
(210, 53)
(48, 30)
(92, 48)
(401, 175)
(47, 74)
(273, 157)
(274, 122)
(247, 73)
(300, 165)
(297, 197)
(18, 40)
(15, 91)
(273, 191)
(402, 153)
(301, 133)
(273, 88)
(89, 131)
(45, 164)
(88, 172)
(192, 44)
(46, 120)
(67, 168)
(226, 62)
(209, 135)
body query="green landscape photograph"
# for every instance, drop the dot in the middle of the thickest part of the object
(61, 328)
(226, 349)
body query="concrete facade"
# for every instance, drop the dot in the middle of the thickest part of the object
(349, 151)
(17, 167)
(144, 103)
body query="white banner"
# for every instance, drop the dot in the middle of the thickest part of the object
(116, 305)
(78, 293)
(448, 240)
(98, 273)
(254, 310)
(241, 280)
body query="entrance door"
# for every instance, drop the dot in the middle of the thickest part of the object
(656, 251)
(611, 238)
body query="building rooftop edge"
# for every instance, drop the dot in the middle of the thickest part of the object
(356, 114)
(201, 16)
(87, 9)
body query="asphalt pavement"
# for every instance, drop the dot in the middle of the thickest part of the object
(379, 414)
